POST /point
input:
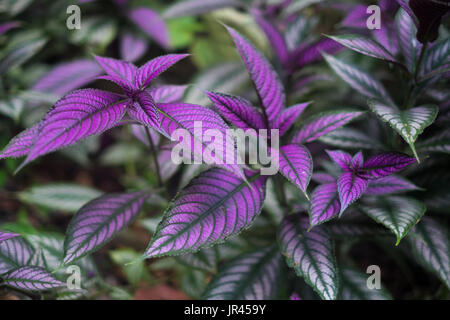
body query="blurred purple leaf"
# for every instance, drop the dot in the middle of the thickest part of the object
(390, 185)
(287, 117)
(167, 93)
(152, 24)
(7, 235)
(99, 221)
(132, 47)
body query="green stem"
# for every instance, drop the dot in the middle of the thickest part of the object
(155, 157)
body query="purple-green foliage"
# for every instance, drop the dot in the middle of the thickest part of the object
(217, 210)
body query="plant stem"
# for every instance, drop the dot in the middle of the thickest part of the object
(155, 157)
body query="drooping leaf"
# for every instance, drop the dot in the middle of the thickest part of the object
(78, 115)
(188, 116)
(287, 117)
(389, 185)
(266, 80)
(155, 67)
(350, 138)
(359, 80)
(406, 33)
(237, 111)
(7, 235)
(323, 124)
(250, 276)
(31, 278)
(354, 287)
(14, 253)
(435, 57)
(197, 7)
(206, 260)
(59, 196)
(325, 204)
(152, 24)
(364, 45)
(212, 207)
(132, 47)
(350, 188)
(409, 123)
(296, 165)
(99, 221)
(384, 164)
(399, 214)
(430, 242)
(310, 254)
(437, 143)
(68, 76)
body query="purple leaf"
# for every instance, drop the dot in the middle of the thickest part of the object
(288, 116)
(324, 123)
(357, 18)
(429, 15)
(152, 24)
(296, 165)
(310, 254)
(313, 52)
(99, 221)
(122, 70)
(155, 67)
(31, 278)
(132, 47)
(21, 144)
(325, 204)
(341, 158)
(350, 188)
(404, 4)
(322, 178)
(14, 253)
(364, 45)
(144, 110)
(295, 296)
(185, 116)
(7, 235)
(384, 164)
(389, 185)
(68, 76)
(266, 80)
(214, 206)
(274, 37)
(387, 37)
(357, 161)
(76, 116)
(167, 93)
(237, 111)
(5, 27)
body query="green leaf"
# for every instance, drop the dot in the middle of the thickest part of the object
(364, 45)
(205, 260)
(135, 271)
(437, 143)
(12, 107)
(430, 241)
(351, 139)
(193, 282)
(359, 80)
(21, 48)
(399, 214)
(310, 254)
(14, 7)
(250, 276)
(409, 123)
(354, 287)
(60, 196)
